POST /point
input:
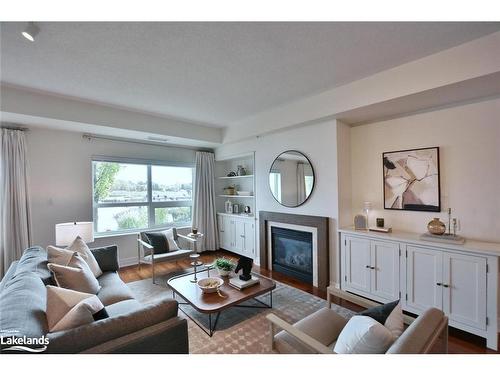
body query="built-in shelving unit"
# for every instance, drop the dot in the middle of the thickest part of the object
(237, 231)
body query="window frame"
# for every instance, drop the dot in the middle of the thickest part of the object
(149, 203)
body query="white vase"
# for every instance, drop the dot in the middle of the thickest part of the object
(223, 272)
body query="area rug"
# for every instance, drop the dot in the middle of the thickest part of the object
(239, 330)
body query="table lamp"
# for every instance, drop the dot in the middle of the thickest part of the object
(67, 232)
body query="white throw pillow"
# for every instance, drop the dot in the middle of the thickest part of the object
(62, 256)
(68, 309)
(395, 322)
(363, 335)
(169, 235)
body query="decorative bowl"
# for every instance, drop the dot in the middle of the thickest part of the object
(210, 284)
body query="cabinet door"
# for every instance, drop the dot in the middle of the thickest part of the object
(239, 241)
(464, 289)
(357, 262)
(228, 233)
(249, 239)
(220, 226)
(385, 270)
(423, 274)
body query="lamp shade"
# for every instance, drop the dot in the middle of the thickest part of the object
(67, 232)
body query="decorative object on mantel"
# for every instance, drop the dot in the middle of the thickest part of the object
(380, 222)
(248, 210)
(236, 208)
(241, 171)
(411, 180)
(228, 207)
(231, 174)
(367, 206)
(244, 193)
(360, 222)
(436, 227)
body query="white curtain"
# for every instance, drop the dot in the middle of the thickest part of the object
(204, 210)
(301, 183)
(15, 215)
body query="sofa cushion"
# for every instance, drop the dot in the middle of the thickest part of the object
(123, 307)
(77, 275)
(34, 259)
(96, 333)
(22, 306)
(170, 236)
(363, 335)
(68, 309)
(113, 289)
(107, 258)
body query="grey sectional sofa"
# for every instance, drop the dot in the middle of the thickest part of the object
(131, 327)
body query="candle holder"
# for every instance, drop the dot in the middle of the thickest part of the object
(195, 263)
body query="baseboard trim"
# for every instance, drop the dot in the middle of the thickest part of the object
(125, 262)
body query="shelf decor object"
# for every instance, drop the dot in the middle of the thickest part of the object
(411, 180)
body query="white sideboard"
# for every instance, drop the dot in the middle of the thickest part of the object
(237, 233)
(461, 280)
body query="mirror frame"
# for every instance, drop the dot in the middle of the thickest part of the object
(313, 173)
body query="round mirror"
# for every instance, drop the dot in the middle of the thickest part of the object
(291, 178)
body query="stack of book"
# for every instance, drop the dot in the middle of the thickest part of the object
(239, 284)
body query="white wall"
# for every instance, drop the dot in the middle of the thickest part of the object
(61, 181)
(469, 141)
(319, 143)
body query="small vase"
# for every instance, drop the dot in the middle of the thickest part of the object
(223, 272)
(436, 226)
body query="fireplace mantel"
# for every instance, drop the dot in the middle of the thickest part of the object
(318, 222)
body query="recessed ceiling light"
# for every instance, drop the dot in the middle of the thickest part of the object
(31, 31)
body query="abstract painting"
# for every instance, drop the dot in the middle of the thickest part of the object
(411, 180)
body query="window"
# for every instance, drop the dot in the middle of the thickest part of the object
(130, 196)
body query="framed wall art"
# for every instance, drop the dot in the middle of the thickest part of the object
(411, 180)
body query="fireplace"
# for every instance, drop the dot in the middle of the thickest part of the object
(296, 245)
(292, 253)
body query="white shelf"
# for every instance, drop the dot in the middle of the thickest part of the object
(235, 177)
(235, 196)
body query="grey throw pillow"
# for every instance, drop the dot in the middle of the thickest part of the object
(76, 275)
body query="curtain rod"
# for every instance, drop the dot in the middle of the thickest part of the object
(90, 137)
(15, 127)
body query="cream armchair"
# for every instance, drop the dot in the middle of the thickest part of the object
(318, 333)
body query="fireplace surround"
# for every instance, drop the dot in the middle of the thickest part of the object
(318, 225)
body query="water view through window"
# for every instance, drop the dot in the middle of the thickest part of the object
(129, 196)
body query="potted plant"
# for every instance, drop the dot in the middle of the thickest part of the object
(224, 266)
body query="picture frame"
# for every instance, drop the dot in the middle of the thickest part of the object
(411, 180)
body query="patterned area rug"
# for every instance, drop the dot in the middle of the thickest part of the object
(239, 330)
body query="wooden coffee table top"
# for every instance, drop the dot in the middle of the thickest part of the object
(212, 302)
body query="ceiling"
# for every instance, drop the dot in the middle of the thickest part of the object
(214, 73)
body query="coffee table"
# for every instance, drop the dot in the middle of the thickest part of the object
(213, 304)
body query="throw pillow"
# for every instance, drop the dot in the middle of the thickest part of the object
(76, 275)
(62, 256)
(169, 234)
(159, 241)
(395, 321)
(68, 309)
(107, 257)
(380, 313)
(363, 335)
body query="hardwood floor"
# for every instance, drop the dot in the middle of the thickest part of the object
(459, 342)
